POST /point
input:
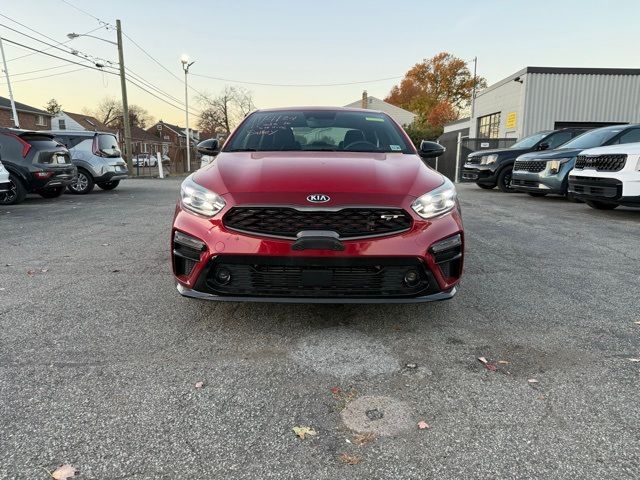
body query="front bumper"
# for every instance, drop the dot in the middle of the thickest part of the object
(607, 189)
(544, 181)
(370, 270)
(485, 174)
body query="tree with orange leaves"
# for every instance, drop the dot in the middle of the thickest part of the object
(437, 89)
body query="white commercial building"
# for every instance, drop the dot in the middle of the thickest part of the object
(547, 98)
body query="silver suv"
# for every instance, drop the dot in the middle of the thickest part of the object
(98, 158)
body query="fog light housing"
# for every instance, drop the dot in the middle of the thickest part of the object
(222, 276)
(411, 278)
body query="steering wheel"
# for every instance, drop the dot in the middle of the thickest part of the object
(360, 145)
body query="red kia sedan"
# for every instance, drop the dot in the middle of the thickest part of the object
(323, 205)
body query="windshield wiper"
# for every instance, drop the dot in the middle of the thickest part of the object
(243, 150)
(319, 150)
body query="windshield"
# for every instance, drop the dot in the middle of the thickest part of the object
(530, 141)
(594, 138)
(318, 130)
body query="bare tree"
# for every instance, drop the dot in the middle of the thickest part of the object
(109, 112)
(224, 112)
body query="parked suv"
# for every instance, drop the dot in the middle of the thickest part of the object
(97, 156)
(36, 163)
(541, 173)
(329, 205)
(5, 184)
(607, 177)
(488, 168)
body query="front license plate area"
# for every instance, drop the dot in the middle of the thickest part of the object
(316, 278)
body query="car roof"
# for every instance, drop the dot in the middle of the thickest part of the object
(20, 132)
(632, 148)
(79, 133)
(323, 108)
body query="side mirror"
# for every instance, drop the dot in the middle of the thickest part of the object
(543, 146)
(430, 149)
(209, 147)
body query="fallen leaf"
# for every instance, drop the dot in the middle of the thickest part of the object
(350, 459)
(503, 362)
(115, 271)
(422, 425)
(106, 244)
(411, 365)
(64, 472)
(364, 438)
(44, 270)
(397, 328)
(336, 390)
(491, 367)
(634, 359)
(482, 360)
(532, 380)
(199, 384)
(302, 432)
(31, 273)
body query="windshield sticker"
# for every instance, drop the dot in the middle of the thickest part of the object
(395, 148)
(374, 119)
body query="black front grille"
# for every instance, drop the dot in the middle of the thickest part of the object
(534, 166)
(316, 277)
(603, 163)
(287, 222)
(596, 187)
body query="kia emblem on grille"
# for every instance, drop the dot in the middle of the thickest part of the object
(318, 198)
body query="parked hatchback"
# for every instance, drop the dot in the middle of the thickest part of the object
(328, 205)
(5, 184)
(542, 173)
(488, 168)
(98, 158)
(36, 163)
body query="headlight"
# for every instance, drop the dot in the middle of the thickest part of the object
(488, 159)
(198, 199)
(554, 165)
(436, 202)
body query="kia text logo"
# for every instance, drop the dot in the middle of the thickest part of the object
(318, 198)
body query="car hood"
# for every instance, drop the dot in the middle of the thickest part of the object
(512, 152)
(551, 154)
(346, 177)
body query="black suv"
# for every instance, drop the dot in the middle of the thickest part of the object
(36, 163)
(488, 168)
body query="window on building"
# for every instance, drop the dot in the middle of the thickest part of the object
(489, 126)
(62, 125)
(145, 147)
(40, 120)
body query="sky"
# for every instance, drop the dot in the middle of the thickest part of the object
(301, 43)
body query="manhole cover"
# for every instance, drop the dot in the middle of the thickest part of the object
(380, 415)
(346, 353)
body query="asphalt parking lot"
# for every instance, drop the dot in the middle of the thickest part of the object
(99, 355)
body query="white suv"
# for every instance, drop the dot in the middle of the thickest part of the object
(606, 177)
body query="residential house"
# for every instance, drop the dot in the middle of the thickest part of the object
(78, 121)
(173, 134)
(144, 141)
(30, 118)
(400, 115)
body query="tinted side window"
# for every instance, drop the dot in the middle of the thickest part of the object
(558, 139)
(630, 136)
(69, 141)
(10, 148)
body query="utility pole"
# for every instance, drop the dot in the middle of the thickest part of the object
(125, 103)
(184, 59)
(16, 121)
(473, 93)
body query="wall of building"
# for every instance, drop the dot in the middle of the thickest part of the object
(28, 121)
(580, 98)
(70, 123)
(505, 97)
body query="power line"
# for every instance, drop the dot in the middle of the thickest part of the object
(87, 13)
(50, 48)
(72, 51)
(39, 70)
(297, 84)
(44, 76)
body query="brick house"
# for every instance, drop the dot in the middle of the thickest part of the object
(30, 118)
(143, 141)
(173, 134)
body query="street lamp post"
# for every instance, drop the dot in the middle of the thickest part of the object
(123, 85)
(184, 59)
